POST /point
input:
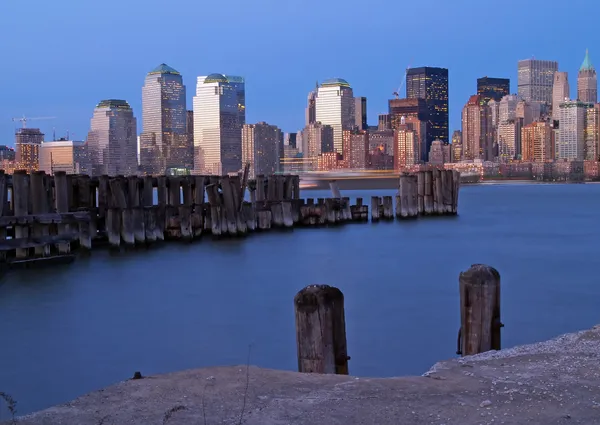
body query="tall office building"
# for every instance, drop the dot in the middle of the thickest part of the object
(261, 146)
(405, 147)
(384, 122)
(163, 142)
(537, 142)
(112, 141)
(360, 113)
(560, 92)
(431, 84)
(592, 133)
(335, 107)
(587, 81)
(310, 114)
(291, 140)
(189, 130)
(507, 109)
(571, 133)
(535, 80)
(317, 139)
(508, 140)
(356, 149)
(492, 88)
(219, 114)
(476, 134)
(457, 148)
(27, 148)
(69, 156)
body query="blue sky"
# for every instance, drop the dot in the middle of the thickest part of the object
(60, 57)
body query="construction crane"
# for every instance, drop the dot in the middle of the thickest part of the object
(397, 92)
(24, 119)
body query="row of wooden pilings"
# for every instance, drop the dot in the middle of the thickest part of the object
(321, 325)
(42, 216)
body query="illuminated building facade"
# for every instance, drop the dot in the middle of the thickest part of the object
(112, 141)
(356, 149)
(261, 146)
(536, 79)
(592, 133)
(219, 114)
(163, 142)
(405, 147)
(64, 155)
(317, 139)
(457, 146)
(571, 133)
(587, 81)
(492, 88)
(476, 130)
(360, 113)
(335, 107)
(431, 84)
(27, 148)
(536, 139)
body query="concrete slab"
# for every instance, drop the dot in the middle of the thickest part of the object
(550, 383)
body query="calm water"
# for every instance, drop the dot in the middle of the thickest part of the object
(75, 328)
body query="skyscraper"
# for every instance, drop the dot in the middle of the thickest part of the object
(476, 136)
(360, 113)
(112, 141)
(189, 130)
(535, 80)
(311, 105)
(356, 149)
(64, 155)
(571, 133)
(587, 82)
(219, 114)
(493, 88)
(317, 139)
(431, 84)
(405, 147)
(592, 133)
(560, 93)
(261, 146)
(163, 142)
(27, 148)
(335, 107)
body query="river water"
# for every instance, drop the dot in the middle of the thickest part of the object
(75, 328)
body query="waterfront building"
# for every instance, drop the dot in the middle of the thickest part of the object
(536, 80)
(431, 84)
(492, 88)
(27, 148)
(335, 107)
(592, 133)
(571, 133)
(112, 139)
(356, 149)
(406, 149)
(69, 156)
(163, 141)
(329, 161)
(261, 146)
(560, 93)
(360, 113)
(587, 81)
(317, 139)
(219, 114)
(537, 142)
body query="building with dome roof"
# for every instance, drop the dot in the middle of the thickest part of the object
(335, 106)
(587, 81)
(219, 115)
(163, 142)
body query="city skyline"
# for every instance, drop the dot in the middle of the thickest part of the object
(116, 71)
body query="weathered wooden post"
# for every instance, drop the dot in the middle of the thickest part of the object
(198, 214)
(375, 202)
(428, 193)
(20, 198)
(87, 230)
(388, 208)
(150, 228)
(455, 190)
(421, 192)
(61, 195)
(479, 310)
(136, 209)
(321, 330)
(39, 205)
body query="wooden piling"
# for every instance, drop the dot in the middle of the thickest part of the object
(335, 189)
(438, 192)
(185, 209)
(198, 215)
(321, 330)
(388, 208)
(375, 202)
(86, 202)
(455, 190)
(61, 195)
(136, 210)
(428, 193)
(421, 192)
(39, 205)
(150, 228)
(479, 310)
(20, 196)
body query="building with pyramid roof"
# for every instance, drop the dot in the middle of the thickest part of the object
(587, 81)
